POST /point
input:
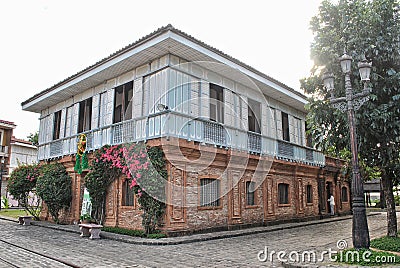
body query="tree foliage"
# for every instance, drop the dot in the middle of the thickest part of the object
(34, 138)
(369, 29)
(21, 186)
(54, 186)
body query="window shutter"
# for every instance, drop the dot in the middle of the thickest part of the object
(264, 118)
(68, 121)
(103, 108)
(205, 99)
(95, 111)
(293, 129)
(75, 119)
(42, 131)
(195, 97)
(303, 132)
(229, 108)
(62, 122)
(279, 133)
(137, 97)
(49, 128)
(245, 111)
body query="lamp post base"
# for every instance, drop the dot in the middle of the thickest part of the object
(360, 225)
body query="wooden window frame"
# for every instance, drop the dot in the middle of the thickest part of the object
(347, 194)
(288, 195)
(285, 126)
(219, 103)
(220, 199)
(85, 111)
(57, 125)
(251, 115)
(123, 195)
(309, 187)
(255, 195)
(125, 89)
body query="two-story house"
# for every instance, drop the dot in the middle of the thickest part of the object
(234, 138)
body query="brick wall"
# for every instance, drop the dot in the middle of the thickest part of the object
(184, 213)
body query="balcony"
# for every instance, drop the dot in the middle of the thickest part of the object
(173, 124)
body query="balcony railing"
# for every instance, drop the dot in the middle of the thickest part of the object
(254, 142)
(173, 124)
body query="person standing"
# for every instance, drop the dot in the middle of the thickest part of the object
(331, 201)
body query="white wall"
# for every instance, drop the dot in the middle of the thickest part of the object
(151, 87)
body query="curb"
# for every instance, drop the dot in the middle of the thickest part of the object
(192, 238)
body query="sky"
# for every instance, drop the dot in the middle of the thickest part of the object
(45, 41)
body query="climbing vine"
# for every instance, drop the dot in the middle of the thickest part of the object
(144, 166)
(102, 173)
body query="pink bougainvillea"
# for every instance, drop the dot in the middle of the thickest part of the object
(145, 168)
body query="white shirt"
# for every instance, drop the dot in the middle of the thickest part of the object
(331, 200)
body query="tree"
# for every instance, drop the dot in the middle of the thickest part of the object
(368, 29)
(34, 138)
(21, 186)
(54, 186)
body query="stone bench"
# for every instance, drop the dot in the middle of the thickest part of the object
(24, 220)
(90, 229)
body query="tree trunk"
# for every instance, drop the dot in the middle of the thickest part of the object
(387, 185)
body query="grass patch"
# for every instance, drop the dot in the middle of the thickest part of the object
(365, 257)
(386, 243)
(136, 233)
(157, 236)
(12, 213)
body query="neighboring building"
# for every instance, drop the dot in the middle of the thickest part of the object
(6, 131)
(372, 192)
(193, 101)
(22, 152)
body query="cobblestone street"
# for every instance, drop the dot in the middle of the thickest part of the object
(228, 252)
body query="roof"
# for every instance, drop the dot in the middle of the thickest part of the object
(14, 139)
(7, 124)
(22, 142)
(152, 36)
(372, 185)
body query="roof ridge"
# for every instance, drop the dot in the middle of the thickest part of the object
(154, 34)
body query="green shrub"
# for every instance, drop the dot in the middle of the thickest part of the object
(54, 187)
(386, 243)
(136, 233)
(156, 236)
(118, 230)
(22, 184)
(5, 203)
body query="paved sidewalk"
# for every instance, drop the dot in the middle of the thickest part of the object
(190, 238)
(240, 248)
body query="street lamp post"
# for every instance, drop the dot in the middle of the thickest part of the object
(352, 102)
(1, 178)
